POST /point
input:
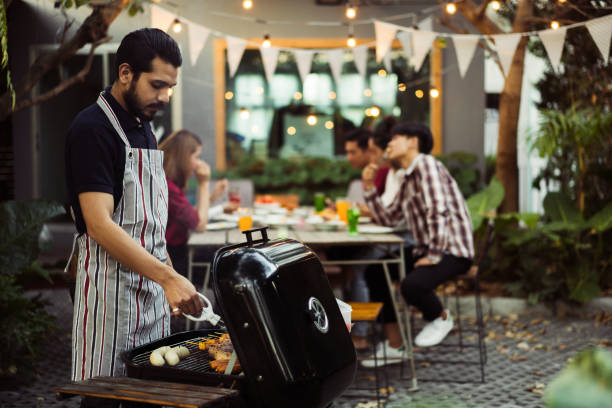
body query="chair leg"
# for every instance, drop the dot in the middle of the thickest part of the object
(482, 347)
(458, 309)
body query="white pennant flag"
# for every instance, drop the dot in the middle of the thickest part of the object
(269, 57)
(387, 61)
(303, 59)
(235, 49)
(197, 38)
(426, 24)
(384, 37)
(161, 18)
(506, 46)
(422, 42)
(553, 42)
(601, 31)
(334, 58)
(405, 38)
(361, 59)
(465, 45)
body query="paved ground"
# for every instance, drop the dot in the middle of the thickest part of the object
(524, 354)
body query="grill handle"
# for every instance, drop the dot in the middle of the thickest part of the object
(264, 234)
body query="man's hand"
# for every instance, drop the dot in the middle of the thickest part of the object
(424, 261)
(368, 175)
(182, 295)
(220, 187)
(202, 171)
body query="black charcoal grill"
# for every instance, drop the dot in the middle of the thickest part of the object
(285, 326)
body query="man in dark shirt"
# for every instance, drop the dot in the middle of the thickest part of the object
(118, 194)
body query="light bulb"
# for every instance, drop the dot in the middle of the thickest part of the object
(350, 41)
(373, 111)
(367, 92)
(554, 24)
(247, 4)
(244, 114)
(434, 93)
(329, 125)
(297, 95)
(291, 130)
(419, 93)
(401, 87)
(332, 95)
(266, 42)
(229, 95)
(451, 8)
(351, 11)
(382, 73)
(311, 119)
(495, 5)
(177, 27)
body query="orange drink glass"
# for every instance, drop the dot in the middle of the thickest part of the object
(245, 220)
(342, 206)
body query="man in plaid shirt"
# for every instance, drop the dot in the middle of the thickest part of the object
(430, 202)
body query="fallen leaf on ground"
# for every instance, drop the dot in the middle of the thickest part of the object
(561, 347)
(425, 364)
(606, 343)
(518, 358)
(538, 373)
(535, 321)
(523, 346)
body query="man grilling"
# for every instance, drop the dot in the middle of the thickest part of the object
(126, 288)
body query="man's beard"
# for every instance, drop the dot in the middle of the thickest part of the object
(131, 102)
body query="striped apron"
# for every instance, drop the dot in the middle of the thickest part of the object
(116, 309)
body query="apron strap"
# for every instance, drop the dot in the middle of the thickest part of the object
(112, 118)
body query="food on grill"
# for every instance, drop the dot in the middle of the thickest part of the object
(221, 349)
(221, 365)
(171, 357)
(162, 350)
(181, 351)
(157, 359)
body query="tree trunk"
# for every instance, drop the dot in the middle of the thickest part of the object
(506, 168)
(93, 29)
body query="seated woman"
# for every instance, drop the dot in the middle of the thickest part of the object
(181, 159)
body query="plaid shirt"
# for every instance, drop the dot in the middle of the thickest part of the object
(430, 201)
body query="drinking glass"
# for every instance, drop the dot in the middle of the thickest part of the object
(234, 195)
(342, 206)
(245, 219)
(319, 202)
(352, 220)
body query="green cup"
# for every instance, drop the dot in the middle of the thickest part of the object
(352, 216)
(319, 202)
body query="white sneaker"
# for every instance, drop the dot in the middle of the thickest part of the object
(434, 332)
(393, 356)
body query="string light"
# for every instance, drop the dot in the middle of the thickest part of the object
(495, 5)
(350, 41)
(367, 92)
(351, 11)
(247, 4)
(311, 119)
(329, 125)
(291, 130)
(297, 95)
(554, 24)
(382, 73)
(260, 90)
(170, 91)
(434, 93)
(401, 87)
(266, 41)
(451, 8)
(373, 111)
(229, 95)
(562, 1)
(419, 93)
(244, 114)
(332, 95)
(177, 27)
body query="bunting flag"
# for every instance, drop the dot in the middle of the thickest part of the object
(303, 59)
(387, 61)
(506, 46)
(553, 42)
(360, 54)
(426, 24)
(405, 38)
(601, 31)
(465, 46)
(197, 39)
(161, 18)
(235, 49)
(334, 58)
(384, 37)
(269, 57)
(421, 42)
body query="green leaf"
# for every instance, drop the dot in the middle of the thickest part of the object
(602, 220)
(560, 208)
(485, 201)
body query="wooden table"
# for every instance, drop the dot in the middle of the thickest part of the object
(321, 239)
(149, 392)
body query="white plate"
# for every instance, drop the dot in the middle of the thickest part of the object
(365, 220)
(374, 229)
(220, 226)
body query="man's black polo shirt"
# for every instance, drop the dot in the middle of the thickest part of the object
(95, 153)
